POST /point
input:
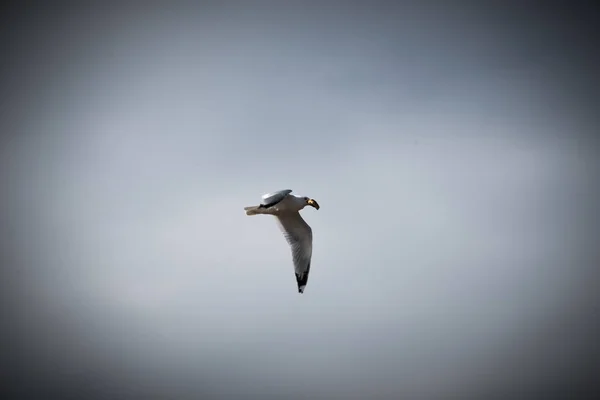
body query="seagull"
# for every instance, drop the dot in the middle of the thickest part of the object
(285, 208)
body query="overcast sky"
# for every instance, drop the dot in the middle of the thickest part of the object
(451, 150)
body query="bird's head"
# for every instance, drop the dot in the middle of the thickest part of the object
(312, 202)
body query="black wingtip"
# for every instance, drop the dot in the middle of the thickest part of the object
(302, 280)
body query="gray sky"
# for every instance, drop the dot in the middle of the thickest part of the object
(451, 151)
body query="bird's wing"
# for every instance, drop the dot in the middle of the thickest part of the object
(273, 198)
(299, 236)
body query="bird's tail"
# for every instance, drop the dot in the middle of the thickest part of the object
(252, 210)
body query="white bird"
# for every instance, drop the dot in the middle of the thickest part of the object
(285, 208)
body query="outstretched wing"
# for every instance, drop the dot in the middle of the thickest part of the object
(270, 199)
(299, 236)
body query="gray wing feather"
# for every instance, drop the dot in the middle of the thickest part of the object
(299, 236)
(275, 197)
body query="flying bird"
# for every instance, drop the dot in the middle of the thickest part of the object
(285, 208)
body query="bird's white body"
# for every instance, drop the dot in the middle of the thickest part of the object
(285, 207)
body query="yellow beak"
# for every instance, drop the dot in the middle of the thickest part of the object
(313, 202)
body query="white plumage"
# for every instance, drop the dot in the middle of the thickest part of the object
(285, 207)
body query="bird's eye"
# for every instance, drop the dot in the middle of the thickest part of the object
(306, 198)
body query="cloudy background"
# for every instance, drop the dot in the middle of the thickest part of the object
(452, 150)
